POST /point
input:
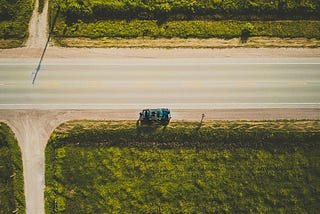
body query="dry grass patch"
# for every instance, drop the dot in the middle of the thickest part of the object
(253, 42)
(10, 43)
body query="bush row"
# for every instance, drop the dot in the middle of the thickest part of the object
(11, 173)
(188, 29)
(94, 10)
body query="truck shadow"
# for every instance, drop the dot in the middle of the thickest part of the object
(149, 128)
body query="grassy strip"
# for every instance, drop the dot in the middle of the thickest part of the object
(188, 29)
(10, 43)
(11, 173)
(97, 167)
(179, 134)
(252, 42)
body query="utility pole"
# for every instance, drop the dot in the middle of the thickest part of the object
(45, 47)
(202, 117)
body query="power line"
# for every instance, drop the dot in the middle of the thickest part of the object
(45, 48)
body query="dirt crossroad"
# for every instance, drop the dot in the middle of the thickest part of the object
(38, 30)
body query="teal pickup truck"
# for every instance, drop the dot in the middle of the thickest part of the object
(159, 116)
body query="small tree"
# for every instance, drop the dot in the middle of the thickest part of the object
(246, 32)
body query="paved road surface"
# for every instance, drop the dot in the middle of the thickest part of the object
(174, 83)
(209, 85)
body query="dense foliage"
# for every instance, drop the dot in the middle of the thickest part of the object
(185, 19)
(188, 29)
(93, 10)
(222, 134)
(11, 177)
(14, 18)
(41, 5)
(97, 167)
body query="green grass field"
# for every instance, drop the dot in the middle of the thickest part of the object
(233, 167)
(11, 177)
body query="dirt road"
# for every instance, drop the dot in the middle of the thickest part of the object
(38, 30)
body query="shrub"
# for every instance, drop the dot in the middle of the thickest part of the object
(16, 24)
(246, 32)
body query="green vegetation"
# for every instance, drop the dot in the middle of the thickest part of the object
(41, 5)
(163, 10)
(11, 174)
(189, 29)
(187, 19)
(10, 43)
(222, 166)
(14, 20)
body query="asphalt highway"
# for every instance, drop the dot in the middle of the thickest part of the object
(129, 83)
(226, 88)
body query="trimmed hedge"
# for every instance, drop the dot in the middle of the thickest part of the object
(188, 29)
(187, 135)
(186, 19)
(11, 173)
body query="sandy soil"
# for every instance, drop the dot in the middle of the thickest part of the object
(59, 52)
(34, 127)
(142, 42)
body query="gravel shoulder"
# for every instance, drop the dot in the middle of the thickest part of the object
(145, 42)
(60, 52)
